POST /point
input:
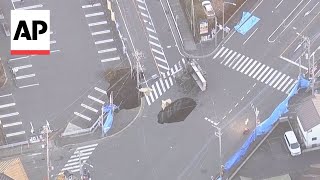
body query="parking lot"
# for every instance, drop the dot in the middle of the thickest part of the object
(273, 159)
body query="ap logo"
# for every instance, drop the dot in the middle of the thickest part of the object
(30, 32)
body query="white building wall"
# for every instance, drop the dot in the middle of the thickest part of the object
(311, 137)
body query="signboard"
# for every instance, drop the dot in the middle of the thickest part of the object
(204, 27)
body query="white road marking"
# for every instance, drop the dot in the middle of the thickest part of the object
(53, 42)
(24, 67)
(235, 59)
(171, 82)
(30, 85)
(224, 52)
(82, 116)
(151, 96)
(54, 51)
(148, 100)
(107, 50)
(290, 88)
(283, 82)
(110, 59)
(159, 52)
(100, 32)
(30, 7)
(271, 76)
(91, 5)
(87, 146)
(94, 14)
(286, 86)
(141, 1)
(244, 61)
(231, 57)
(159, 89)
(234, 66)
(292, 62)
(217, 54)
(264, 71)
(276, 78)
(141, 7)
(15, 134)
(254, 70)
(155, 92)
(163, 67)
(279, 81)
(167, 84)
(97, 23)
(151, 30)
(101, 90)
(90, 108)
(260, 69)
(247, 64)
(155, 44)
(26, 76)
(252, 65)
(96, 99)
(7, 105)
(6, 95)
(279, 4)
(153, 37)
(227, 56)
(267, 75)
(103, 41)
(143, 14)
(162, 85)
(160, 59)
(11, 124)
(249, 36)
(24, 57)
(77, 159)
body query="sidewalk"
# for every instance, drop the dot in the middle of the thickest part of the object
(3, 75)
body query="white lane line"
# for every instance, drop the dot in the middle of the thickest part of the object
(252, 65)
(100, 32)
(250, 36)
(96, 99)
(148, 100)
(143, 8)
(224, 52)
(6, 95)
(226, 56)
(162, 85)
(90, 108)
(271, 76)
(12, 124)
(87, 146)
(235, 59)
(7, 105)
(155, 44)
(155, 92)
(24, 57)
(163, 67)
(26, 76)
(110, 59)
(30, 7)
(217, 54)
(91, 5)
(94, 14)
(82, 116)
(159, 89)
(260, 69)
(143, 14)
(234, 66)
(283, 82)
(307, 13)
(279, 81)
(264, 71)
(151, 30)
(167, 84)
(160, 59)
(243, 62)
(247, 64)
(24, 67)
(286, 86)
(107, 50)
(101, 90)
(159, 52)
(30, 85)
(290, 88)
(153, 37)
(254, 70)
(267, 75)
(97, 23)
(171, 82)
(292, 62)
(103, 41)
(15, 134)
(279, 4)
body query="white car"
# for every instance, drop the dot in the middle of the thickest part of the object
(292, 143)
(208, 9)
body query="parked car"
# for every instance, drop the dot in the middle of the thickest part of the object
(208, 9)
(292, 143)
(6, 29)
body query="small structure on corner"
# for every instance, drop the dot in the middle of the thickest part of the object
(197, 74)
(308, 119)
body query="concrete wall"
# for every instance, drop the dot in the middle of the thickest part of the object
(308, 135)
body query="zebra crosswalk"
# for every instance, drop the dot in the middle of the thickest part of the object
(255, 69)
(164, 83)
(154, 42)
(81, 154)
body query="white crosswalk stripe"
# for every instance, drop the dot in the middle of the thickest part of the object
(254, 69)
(81, 154)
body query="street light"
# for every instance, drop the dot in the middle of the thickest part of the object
(223, 15)
(218, 134)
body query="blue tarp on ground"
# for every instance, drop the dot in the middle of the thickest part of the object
(266, 125)
(246, 23)
(109, 109)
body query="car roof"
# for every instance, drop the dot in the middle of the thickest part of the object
(291, 136)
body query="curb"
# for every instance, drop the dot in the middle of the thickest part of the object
(5, 75)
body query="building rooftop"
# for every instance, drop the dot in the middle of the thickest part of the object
(309, 113)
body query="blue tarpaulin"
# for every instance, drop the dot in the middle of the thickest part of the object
(266, 125)
(246, 23)
(109, 118)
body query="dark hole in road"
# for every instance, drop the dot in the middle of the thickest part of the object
(177, 111)
(123, 86)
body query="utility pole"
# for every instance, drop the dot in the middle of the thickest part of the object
(138, 55)
(310, 58)
(192, 14)
(47, 130)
